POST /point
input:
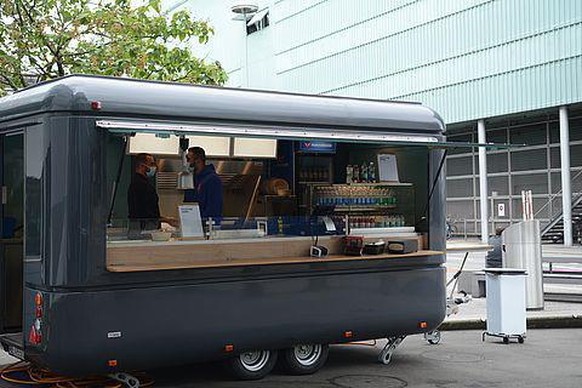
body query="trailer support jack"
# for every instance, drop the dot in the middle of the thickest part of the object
(385, 355)
(127, 379)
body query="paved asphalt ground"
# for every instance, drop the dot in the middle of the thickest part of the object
(549, 358)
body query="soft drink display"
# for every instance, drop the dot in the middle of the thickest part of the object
(355, 196)
(377, 204)
(364, 173)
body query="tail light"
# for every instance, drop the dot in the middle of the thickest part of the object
(35, 334)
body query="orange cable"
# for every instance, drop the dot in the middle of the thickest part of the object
(39, 376)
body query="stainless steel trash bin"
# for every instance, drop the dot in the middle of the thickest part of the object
(522, 248)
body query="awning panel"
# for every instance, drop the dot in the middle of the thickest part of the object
(127, 127)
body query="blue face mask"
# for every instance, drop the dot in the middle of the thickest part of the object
(151, 172)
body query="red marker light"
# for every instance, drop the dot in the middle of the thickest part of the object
(35, 336)
(112, 363)
(229, 348)
(348, 334)
(423, 325)
(96, 105)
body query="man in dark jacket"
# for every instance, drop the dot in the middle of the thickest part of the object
(142, 198)
(493, 259)
(207, 185)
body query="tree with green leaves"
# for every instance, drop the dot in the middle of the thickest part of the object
(44, 39)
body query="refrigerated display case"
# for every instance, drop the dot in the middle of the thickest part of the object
(386, 206)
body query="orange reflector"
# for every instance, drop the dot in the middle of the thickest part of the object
(423, 325)
(38, 299)
(348, 334)
(229, 348)
(112, 363)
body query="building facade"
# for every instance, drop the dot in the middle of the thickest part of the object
(504, 66)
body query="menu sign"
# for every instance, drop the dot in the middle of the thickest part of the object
(191, 221)
(387, 168)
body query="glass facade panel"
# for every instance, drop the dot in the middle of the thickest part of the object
(529, 135)
(556, 182)
(555, 157)
(575, 124)
(575, 128)
(554, 128)
(497, 136)
(464, 138)
(497, 162)
(460, 188)
(576, 155)
(500, 184)
(537, 183)
(459, 166)
(576, 181)
(529, 160)
(541, 208)
(458, 210)
(517, 209)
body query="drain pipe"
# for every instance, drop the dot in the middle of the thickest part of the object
(565, 167)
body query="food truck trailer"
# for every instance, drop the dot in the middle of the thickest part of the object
(361, 178)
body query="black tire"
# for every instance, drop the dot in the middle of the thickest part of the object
(505, 340)
(434, 337)
(252, 365)
(303, 359)
(520, 340)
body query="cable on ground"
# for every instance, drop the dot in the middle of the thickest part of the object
(26, 374)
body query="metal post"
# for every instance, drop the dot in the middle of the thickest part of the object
(483, 182)
(493, 214)
(245, 8)
(565, 167)
(246, 49)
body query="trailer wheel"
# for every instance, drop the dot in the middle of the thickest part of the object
(304, 359)
(252, 365)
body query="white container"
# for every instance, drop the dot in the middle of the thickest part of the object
(506, 302)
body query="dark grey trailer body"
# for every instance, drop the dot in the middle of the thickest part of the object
(157, 318)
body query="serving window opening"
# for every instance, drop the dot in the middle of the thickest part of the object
(283, 201)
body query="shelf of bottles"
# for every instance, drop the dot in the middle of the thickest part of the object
(367, 205)
(355, 197)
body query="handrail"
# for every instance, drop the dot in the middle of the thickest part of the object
(555, 220)
(552, 196)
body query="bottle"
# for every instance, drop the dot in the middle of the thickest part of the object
(349, 174)
(372, 172)
(356, 174)
(364, 173)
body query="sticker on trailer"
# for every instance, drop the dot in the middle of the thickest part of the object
(16, 352)
(114, 334)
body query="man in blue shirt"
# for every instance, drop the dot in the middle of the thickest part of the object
(207, 185)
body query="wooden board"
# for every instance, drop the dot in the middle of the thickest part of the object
(137, 264)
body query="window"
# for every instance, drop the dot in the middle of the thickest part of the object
(258, 21)
(262, 204)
